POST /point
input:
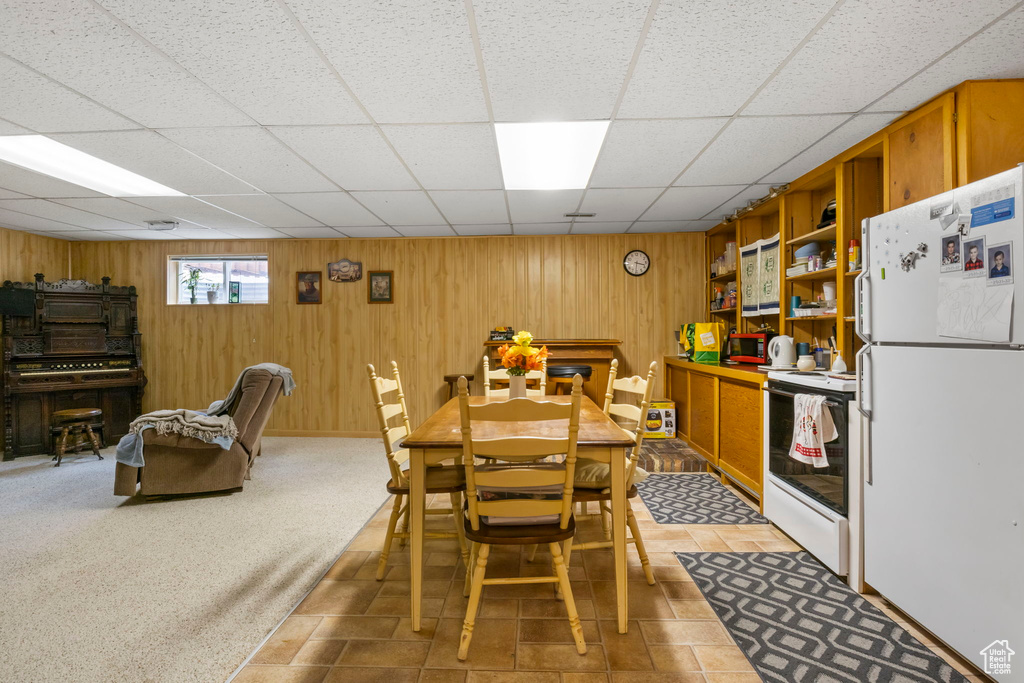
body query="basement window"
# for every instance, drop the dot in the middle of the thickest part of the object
(222, 279)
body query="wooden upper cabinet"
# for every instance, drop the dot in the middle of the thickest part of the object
(989, 128)
(920, 154)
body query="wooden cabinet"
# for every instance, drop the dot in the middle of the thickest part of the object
(989, 128)
(920, 158)
(718, 412)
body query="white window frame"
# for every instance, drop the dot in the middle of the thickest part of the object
(174, 272)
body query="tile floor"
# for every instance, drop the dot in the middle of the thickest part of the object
(352, 628)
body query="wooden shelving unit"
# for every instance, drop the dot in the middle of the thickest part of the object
(823, 274)
(827, 233)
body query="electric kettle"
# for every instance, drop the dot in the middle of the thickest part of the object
(781, 351)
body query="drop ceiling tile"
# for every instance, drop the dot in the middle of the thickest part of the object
(157, 158)
(650, 153)
(618, 205)
(540, 206)
(355, 157)
(708, 58)
(847, 135)
(119, 209)
(195, 211)
(330, 208)
(541, 57)
(689, 203)
(65, 214)
(7, 194)
(495, 229)
(371, 231)
(541, 228)
(449, 157)
(21, 221)
(425, 231)
(254, 155)
(751, 147)
(201, 234)
(401, 208)
(9, 128)
(599, 228)
(88, 236)
(739, 201)
(79, 45)
(262, 208)
(472, 206)
(255, 233)
(36, 102)
(311, 233)
(997, 52)
(672, 226)
(410, 62)
(867, 48)
(152, 235)
(33, 184)
(249, 51)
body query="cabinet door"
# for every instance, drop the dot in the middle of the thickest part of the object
(678, 386)
(739, 432)
(989, 128)
(702, 415)
(921, 154)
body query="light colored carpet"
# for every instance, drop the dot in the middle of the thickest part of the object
(102, 588)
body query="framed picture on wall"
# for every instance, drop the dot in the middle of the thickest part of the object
(308, 287)
(381, 287)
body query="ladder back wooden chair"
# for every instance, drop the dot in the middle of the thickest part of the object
(593, 478)
(448, 479)
(518, 501)
(539, 378)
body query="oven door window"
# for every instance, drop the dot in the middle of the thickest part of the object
(827, 485)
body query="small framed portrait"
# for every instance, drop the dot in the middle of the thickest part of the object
(949, 254)
(974, 257)
(381, 286)
(1000, 264)
(308, 287)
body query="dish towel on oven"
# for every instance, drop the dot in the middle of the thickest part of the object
(812, 429)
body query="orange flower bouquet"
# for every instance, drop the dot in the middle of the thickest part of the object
(519, 357)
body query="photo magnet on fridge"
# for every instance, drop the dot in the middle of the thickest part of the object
(1000, 264)
(974, 257)
(949, 253)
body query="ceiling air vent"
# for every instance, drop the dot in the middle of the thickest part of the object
(161, 225)
(580, 215)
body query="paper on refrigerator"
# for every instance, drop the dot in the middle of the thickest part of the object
(967, 309)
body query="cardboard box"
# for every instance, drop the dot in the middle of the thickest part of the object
(661, 420)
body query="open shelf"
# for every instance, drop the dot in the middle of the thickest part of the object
(830, 316)
(853, 273)
(724, 277)
(827, 233)
(823, 274)
(724, 310)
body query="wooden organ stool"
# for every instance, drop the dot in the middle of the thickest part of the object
(73, 427)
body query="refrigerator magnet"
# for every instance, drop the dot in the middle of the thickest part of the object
(949, 249)
(973, 251)
(1000, 264)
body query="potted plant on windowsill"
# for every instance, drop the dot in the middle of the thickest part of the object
(191, 281)
(213, 293)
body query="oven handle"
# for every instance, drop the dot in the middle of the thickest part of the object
(792, 395)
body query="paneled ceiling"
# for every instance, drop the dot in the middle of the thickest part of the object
(365, 118)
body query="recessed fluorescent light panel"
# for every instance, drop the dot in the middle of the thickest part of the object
(49, 157)
(549, 156)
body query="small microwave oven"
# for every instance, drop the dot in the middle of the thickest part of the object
(750, 348)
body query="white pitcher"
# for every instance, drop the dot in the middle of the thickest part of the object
(781, 351)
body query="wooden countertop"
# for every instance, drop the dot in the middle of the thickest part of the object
(562, 342)
(742, 372)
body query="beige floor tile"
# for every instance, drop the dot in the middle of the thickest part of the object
(710, 541)
(722, 658)
(356, 627)
(455, 606)
(403, 573)
(428, 627)
(369, 539)
(286, 641)
(625, 651)
(692, 609)
(493, 646)
(689, 546)
(555, 609)
(572, 677)
(668, 533)
(749, 532)
(282, 674)
(548, 657)
(345, 674)
(555, 631)
(347, 565)
(400, 607)
(645, 602)
(431, 589)
(442, 676)
(368, 572)
(673, 658)
(718, 677)
(675, 572)
(662, 559)
(681, 590)
(339, 597)
(657, 677)
(779, 546)
(395, 653)
(442, 559)
(512, 677)
(745, 546)
(529, 591)
(694, 632)
(319, 652)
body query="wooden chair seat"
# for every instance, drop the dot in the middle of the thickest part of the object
(75, 414)
(521, 534)
(447, 479)
(588, 495)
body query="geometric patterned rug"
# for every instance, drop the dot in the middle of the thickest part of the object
(795, 621)
(694, 499)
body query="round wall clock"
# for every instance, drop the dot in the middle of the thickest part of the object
(636, 263)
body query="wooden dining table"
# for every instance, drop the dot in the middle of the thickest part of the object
(440, 438)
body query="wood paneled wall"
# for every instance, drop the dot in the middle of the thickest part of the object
(449, 292)
(23, 254)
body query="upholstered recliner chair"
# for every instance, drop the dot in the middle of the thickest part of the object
(178, 464)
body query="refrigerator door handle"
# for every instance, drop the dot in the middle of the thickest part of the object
(865, 407)
(862, 305)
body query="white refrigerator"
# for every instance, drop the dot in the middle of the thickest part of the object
(941, 388)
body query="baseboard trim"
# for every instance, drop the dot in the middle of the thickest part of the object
(310, 432)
